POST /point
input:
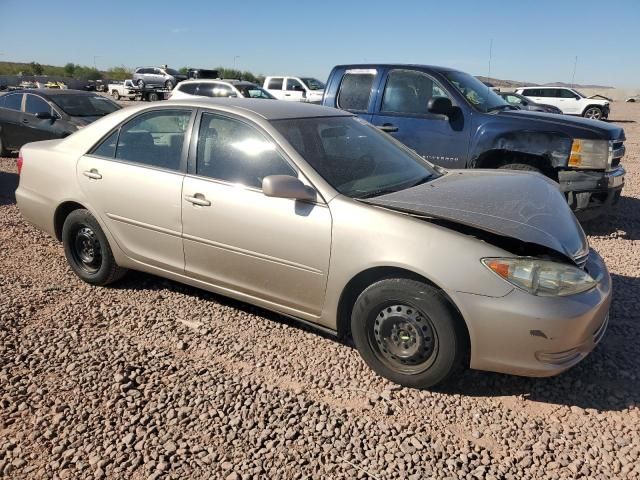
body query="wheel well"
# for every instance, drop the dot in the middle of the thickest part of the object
(62, 212)
(368, 277)
(498, 158)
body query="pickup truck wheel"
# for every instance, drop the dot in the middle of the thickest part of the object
(520, 166)
(594, 113)
(408, 332)
(87, 249)
(140, 83)
(115, 95)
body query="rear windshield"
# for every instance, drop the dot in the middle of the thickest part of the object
(85, 105)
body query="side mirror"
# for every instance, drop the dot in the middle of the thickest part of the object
(45, 116)
(286, 186)
(439, 105)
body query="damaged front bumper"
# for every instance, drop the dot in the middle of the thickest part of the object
(591, 193)
(524, 334)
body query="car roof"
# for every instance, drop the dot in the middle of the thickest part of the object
(267, 109)
(398, 65)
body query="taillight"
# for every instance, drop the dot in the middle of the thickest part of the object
(19, 162)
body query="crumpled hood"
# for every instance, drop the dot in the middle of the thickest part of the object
(525, 206)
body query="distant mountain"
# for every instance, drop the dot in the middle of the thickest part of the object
(516, 83)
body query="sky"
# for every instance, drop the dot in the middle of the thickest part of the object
(530, 41)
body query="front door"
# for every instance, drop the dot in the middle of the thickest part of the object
(133, 181)
(402, 112)
(34, 128)
(293, 90)
(235, 237)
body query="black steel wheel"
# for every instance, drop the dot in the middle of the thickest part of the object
(87, 249)
(409, 332)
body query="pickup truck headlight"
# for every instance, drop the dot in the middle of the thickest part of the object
(589, 153)
(541, 277)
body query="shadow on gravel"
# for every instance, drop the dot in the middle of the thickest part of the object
(621, 121)
(600, 382)
(8, 185)
(623, 219)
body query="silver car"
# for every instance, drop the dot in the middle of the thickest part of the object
(157, 77)
(313, 213)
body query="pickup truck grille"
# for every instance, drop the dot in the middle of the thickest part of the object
(616, 152)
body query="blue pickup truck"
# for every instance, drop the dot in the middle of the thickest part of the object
(453, 120)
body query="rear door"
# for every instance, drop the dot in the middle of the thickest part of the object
(275, 87)
(133, 181)
(11, 127)
(401, 111)
(356, 91)
(536, 95)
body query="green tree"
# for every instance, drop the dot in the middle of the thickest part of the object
(119, 73)
(69, 69)
(184, 70)
(36, 68)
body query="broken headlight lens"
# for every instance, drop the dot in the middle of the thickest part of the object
(589, 154)
(541, 277)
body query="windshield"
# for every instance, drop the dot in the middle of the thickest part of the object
(578, 93)
(313, 84)
(481, 97)
(354, 157)
(254, 91)
(85, 105)
(171, 71)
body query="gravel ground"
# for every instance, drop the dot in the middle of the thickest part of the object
(153, 379)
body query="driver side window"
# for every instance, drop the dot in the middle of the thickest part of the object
(234, 152)
(409, 91)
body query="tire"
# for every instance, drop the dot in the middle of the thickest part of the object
(520, 166)
(408, 332)
(594, 113)
(153, 97)
(140, 83)
(87, 249)
(116, 95)
(168, 84)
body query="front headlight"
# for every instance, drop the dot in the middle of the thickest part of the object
(541, 277)
(589, 153)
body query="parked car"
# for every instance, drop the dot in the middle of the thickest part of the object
(295, 89)
(195, 73)
(569, 100)
(219, 88)
(300, 209)
(42, 114)
(523, 103)
(124, 89)
(453, 120)
(157, 77)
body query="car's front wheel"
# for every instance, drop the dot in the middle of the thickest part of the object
(595, 113)
(116, 95)
(87, 249)
(408, 332)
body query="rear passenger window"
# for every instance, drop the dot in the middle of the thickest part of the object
(531, 92)
(13, 101)
(234, 152)
(189, 88)
(275, 84)
(154, 139)
(408, 91)
(355, 90)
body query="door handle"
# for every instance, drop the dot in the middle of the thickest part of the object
(387, 127)
(93, 174)
(197, 199)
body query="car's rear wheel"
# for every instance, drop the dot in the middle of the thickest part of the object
(595, 113)
(408, 332)
(140, 83)
(87, 249)
(116, 95)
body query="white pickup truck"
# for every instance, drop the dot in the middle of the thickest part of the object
(295, 89)
(124, 89)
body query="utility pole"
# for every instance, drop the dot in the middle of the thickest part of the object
(573, 77)
(234, 61)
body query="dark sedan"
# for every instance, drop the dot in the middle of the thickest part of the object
(44, 114)
(523, 103)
